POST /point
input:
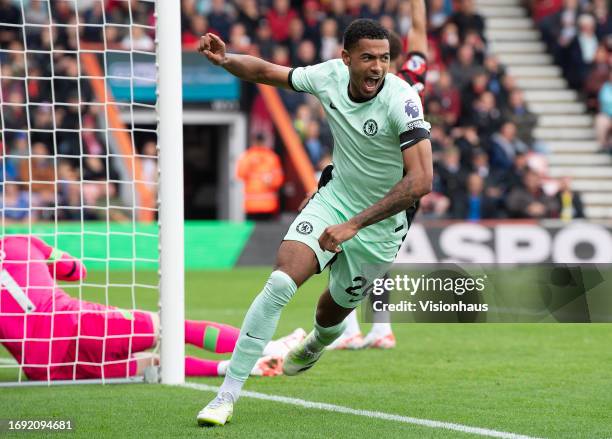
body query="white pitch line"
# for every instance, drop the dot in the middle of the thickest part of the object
(7, 361)
(367, 413)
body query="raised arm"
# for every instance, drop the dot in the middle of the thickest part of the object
(245, 67)
(417, 39)
(415, 184)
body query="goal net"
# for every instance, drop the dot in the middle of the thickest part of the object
(80, 221)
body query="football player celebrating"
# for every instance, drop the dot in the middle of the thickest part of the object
(357, 219)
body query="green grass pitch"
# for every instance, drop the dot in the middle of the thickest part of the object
(540, 380)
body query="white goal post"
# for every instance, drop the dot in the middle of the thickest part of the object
(170, 110)
(79, 176)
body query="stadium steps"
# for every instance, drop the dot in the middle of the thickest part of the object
(577, 172)
(570, 133)
(511, 47)
(562, 147)
(526, 59)
(564, 126)
(580, 159)
(553, 120)
(541, 83)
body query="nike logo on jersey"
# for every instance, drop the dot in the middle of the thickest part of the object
(249, 335)
(332, 106)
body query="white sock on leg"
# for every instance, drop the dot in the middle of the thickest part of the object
(231, 386)
(381, 329)
(352, 325)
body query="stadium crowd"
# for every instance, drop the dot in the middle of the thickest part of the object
(52, 129)
(487, 163)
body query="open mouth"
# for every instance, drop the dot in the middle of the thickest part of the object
(371, 83)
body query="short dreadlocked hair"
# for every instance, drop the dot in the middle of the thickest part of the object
(363, 28)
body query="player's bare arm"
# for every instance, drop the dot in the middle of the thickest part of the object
(246, 67)
(418, 33)
(415, 184)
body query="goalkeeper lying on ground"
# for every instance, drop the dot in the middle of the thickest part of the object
(58, 337)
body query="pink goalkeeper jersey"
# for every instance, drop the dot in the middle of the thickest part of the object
(38, 320)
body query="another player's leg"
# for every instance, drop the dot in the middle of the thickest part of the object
(296, 262)
(380, 335)
(211, 336)
(221, 338)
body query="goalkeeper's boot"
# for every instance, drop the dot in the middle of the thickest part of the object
(301, 358)
(218, 411)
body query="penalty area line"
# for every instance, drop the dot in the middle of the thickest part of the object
(366, 413)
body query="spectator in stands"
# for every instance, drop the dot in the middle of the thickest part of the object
(313, 144)
(11, 15)
(475, 204)
(68, 192)
(219, 18)
(303, 116)
(603, 120)
(437, 15)
(486, 115)
(338, 12)
(468, 143)
(190, 36)
(312, 17)
(452, 177)
(8, 170)
(524, 119)
(330, 44)
(505, 145)
(138, 39)
(464, 67)
(449, 42)
(495, 73)
(449, 99)
(94, 169)
(261, 171)
(467, 19)
(601, 11)
(530, 201)
(42, 175)
(264, 40)
(473, 91)
(403, 18)
(248, 15)
(93, 16)
(279, 17)
(580, 52)
(239, 41)
(598, 75)
(494, 179)
(559, 28)
(569, 201)
(16, 206)
(474, 40)
(306, 54)
(295, 38)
